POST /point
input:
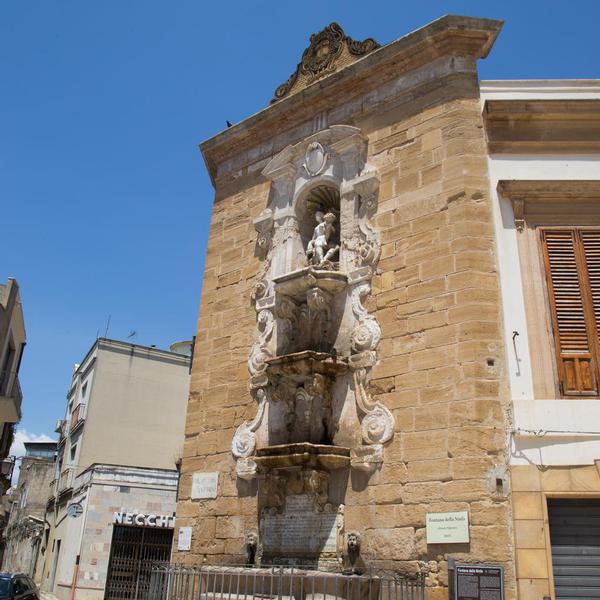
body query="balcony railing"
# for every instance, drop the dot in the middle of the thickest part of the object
(65, 481)
(77, 416)
(11, 397)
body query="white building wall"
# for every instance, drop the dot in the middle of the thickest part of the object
(534, 440)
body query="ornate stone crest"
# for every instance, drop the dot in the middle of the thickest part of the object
(315, 159)
(329, 50)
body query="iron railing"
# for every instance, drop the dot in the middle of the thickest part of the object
(175, 582)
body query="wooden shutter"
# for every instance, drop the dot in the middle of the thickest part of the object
(570, 254)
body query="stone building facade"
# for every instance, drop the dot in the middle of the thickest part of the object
(26, 524)
(410, 352)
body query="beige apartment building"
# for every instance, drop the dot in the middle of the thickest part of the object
(410, 258)
(113, 494)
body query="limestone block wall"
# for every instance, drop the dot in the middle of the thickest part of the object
(441, 363)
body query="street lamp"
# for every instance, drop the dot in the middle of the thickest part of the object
(7, 466)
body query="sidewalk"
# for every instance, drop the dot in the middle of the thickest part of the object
(47, 596)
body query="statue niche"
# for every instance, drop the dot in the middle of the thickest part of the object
(321, 210)
(306, 305)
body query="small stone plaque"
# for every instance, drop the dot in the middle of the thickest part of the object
(204, 485)
(184, 539)
(479, 582)
(299, 530)
(448, 528)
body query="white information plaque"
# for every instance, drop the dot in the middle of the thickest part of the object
(184, 540)
(204, 485)
(448, 528)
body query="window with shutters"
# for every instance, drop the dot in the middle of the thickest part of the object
(572, 262)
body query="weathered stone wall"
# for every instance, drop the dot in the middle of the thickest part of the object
(442, 364)
(441, 361)
(22, 534)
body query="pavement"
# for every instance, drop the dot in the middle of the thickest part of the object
(48, 596)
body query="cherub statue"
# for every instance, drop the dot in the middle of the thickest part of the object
(319, 249)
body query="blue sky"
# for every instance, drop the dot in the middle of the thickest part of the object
(105, 198)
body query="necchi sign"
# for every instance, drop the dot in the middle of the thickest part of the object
(140, 520)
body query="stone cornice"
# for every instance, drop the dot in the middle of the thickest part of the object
(528, 194)
(448, 36)
(540, 125)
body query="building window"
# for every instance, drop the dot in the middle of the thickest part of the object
(572, 262)
(84, 390)
(73, 453)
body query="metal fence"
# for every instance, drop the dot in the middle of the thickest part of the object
(175, 582)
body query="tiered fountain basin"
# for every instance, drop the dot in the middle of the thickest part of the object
(303, 455)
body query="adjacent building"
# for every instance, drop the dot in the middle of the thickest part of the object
(114, 488)
(26, 526)
(12, 344)
(544, 166)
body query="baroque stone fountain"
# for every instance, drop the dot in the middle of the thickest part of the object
(315, 347)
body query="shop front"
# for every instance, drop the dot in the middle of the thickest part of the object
(103, 540)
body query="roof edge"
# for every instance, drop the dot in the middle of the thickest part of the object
(414, 49)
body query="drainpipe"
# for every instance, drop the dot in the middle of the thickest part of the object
(76, 567)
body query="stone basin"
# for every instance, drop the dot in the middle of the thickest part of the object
(297, 283)
(302, 365)
(288, 456)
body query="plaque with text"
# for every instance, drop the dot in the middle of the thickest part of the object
(204, 485)
(448, 527)
(479, 582)
(184, 540)
(299, 529)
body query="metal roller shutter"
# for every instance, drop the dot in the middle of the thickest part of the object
(575, 540)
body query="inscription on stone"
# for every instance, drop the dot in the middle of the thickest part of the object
(299, 529)
(204, 485)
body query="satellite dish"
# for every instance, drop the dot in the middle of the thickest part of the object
(74, 510)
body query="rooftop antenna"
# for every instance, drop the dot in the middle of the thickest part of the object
(107, 326)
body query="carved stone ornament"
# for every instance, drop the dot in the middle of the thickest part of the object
(364, 242)
(315, 159)
(378, 424)
(243, 443)
(315, 342)
(367, 333)
(323, 56)
(264, 225)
